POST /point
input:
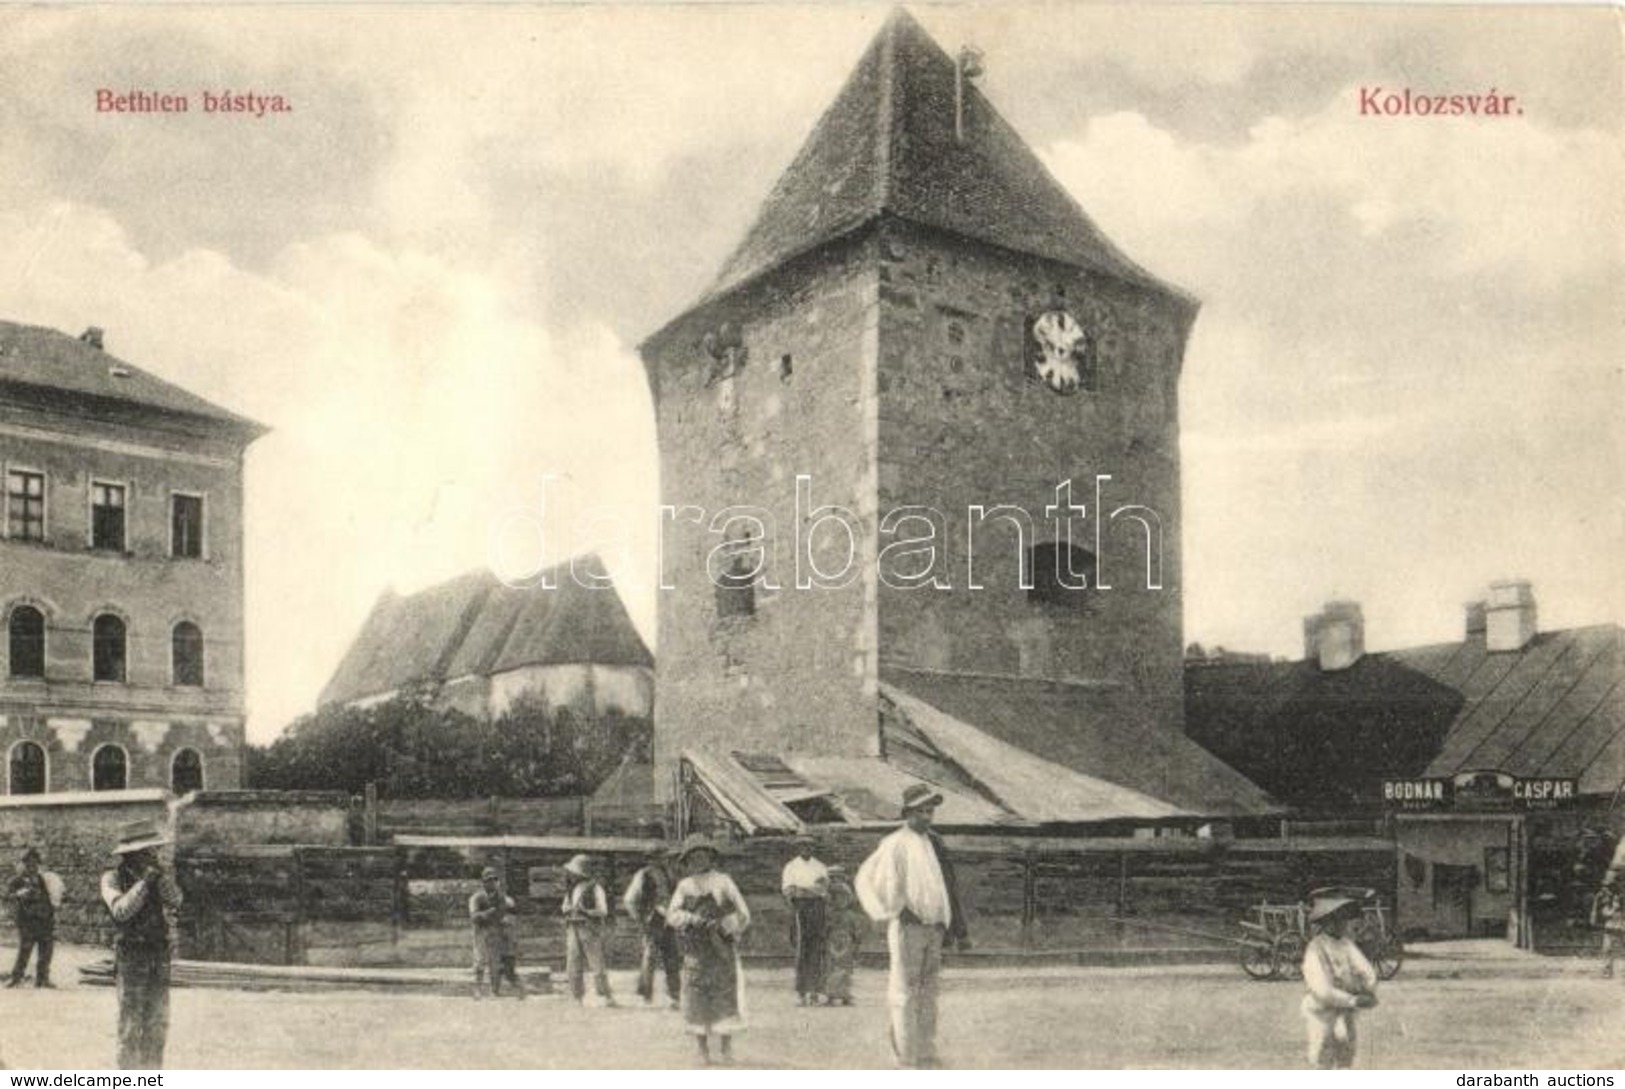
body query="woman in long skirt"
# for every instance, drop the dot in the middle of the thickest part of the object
(708, 913)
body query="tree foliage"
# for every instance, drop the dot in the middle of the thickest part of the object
(413, 749)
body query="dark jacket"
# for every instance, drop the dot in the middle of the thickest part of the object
(958, 928)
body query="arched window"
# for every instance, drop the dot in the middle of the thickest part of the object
(186, 646)
(27, 772)
(186, 772)
(108, 648)
(27, 642)
(109, 769)
(1060, 574)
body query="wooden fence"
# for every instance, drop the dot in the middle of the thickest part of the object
(407, 903)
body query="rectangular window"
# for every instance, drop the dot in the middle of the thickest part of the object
(107, 516)
(25, 506)
(186, 527)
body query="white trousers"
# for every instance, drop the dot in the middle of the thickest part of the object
(916, 976)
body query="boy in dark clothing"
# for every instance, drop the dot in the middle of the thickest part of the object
(35, 895)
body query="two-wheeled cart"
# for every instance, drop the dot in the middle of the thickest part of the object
(1278, 934)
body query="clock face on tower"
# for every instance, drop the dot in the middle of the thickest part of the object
(1061, 353)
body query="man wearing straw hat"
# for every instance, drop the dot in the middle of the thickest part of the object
(908, 883)
(142, 898)
(586, 913)
(1340, 981)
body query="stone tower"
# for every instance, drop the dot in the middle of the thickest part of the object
(918, 343)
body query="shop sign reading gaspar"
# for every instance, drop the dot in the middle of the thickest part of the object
(1479, 791)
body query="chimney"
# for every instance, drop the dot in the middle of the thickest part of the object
(1475, 619)
(1509, 615)
(1334, 638)
(92, 337)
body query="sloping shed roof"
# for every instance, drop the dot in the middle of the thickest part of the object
(474, 625)
(739, 793)
(53, 362)
(1554, 708)
(1079, 728)
(887, 146)
(1027, 785)
(868, 789)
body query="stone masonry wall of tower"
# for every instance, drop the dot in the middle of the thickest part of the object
(963, 423)
(798, 674)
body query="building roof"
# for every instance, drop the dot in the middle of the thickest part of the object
(759, 791)
(1321, 739)
(1029, 786)
(985, 780)
(1078, 728)
(887, 146)
(76, 375)
(740, 794)
(475, 625)
(869, 790)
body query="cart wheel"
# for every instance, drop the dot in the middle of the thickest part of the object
(1258, 961)
(1390, 957)
(1288, 956)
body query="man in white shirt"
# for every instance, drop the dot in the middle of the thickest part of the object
(908, 883)
(805, 885)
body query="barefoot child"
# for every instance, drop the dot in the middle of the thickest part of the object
(844, 934)
(1340, 981)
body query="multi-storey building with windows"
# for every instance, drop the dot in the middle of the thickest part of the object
(121, 573)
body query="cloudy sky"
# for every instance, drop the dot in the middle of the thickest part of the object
(429, 278)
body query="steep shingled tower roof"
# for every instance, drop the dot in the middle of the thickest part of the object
(887, 145)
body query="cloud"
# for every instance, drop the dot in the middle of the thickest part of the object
(1404, 376)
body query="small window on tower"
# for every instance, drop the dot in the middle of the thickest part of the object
(1060, 573)
(736, 588)
(786, 367)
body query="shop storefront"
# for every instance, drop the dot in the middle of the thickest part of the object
(1487, 854)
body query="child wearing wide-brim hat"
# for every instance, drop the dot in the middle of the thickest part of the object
(1340, 981)
(586, 914)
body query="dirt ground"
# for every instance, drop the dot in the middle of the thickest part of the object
(1442, 1013)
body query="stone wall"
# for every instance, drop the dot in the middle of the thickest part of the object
(799, 674)
(213, 818)
(962, 425)
(76, 834)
